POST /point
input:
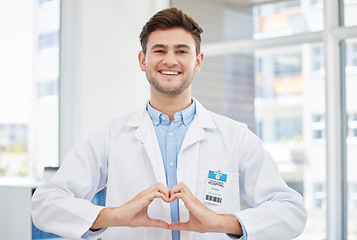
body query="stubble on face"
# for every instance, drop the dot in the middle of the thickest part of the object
(171, 90)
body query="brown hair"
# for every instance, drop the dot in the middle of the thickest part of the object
(167, 19)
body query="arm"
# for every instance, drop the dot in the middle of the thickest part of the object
(63, 204)
(276, 208)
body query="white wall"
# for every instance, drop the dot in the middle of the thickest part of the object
(100, 74)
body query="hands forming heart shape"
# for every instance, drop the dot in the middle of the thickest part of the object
(136, 208)
(201, 218)
(134, 213)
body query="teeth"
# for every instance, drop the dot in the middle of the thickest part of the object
(169, 73)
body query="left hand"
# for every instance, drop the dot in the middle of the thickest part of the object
(201, 218)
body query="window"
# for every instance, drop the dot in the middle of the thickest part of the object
(316, 58)
(286, 65)
(47, 88)
(352, 197)
(286, 18)
(350, 9)
(351, 142)
(318, 126)
(319, 195)
(288, 129)
(28, 91)
(298, 186)
(42, 2)
(352, 125)
(315, 2)
(13, 137)
(352, 54)
(49, 40)
(258, 130)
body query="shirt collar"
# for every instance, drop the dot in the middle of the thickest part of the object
(154, 114)
(188, 114)
(185, 116)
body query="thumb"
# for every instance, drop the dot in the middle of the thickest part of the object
(157, 223)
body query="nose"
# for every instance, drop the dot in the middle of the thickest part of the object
(170, 59)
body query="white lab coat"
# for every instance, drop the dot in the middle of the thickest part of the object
(124, 156)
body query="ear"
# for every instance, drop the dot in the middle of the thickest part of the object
(142, 61)
(199, 61)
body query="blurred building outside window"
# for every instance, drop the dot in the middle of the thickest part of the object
(29, 80)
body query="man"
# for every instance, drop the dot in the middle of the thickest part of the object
(172, 169)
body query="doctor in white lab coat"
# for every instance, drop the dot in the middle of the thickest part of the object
(124, 156)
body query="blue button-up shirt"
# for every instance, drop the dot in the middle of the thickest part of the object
(170, 137)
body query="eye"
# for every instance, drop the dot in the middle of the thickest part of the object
(159, 51)
(181, 52)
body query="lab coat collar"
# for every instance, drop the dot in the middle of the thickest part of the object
(145, 133)
(203, 117)
(185, 116)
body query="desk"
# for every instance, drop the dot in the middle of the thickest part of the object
(15, 203)
(15, 208)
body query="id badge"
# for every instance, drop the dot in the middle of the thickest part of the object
(215, 187)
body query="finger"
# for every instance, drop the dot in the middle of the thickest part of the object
(146, 198)
(177, 188)
(157, 223)
(165, 191)
(160, 187)
(182, 184)
(181, 187)
(157, 188)
(181, 193)
(162, 196)
(150, 196)
(179, 226)
(175, 196)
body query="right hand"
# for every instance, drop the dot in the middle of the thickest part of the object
(134, 212)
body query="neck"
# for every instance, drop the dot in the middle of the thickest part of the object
(169, 105)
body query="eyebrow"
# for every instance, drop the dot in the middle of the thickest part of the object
(183, 46)
(176, 46)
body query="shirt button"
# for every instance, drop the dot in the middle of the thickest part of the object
(185, 121)
(171, 164)
(170, 134)
(163, 117)
(157, 122)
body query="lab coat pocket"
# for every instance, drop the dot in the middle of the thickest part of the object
(230, 198)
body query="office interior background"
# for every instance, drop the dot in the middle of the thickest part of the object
(286, 68)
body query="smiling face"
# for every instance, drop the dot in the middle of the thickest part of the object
(170, 61)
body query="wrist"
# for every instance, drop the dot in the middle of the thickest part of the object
(229, 224)
(105, 218)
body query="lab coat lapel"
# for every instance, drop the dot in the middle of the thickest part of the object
(145, 133)
(196, 132)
